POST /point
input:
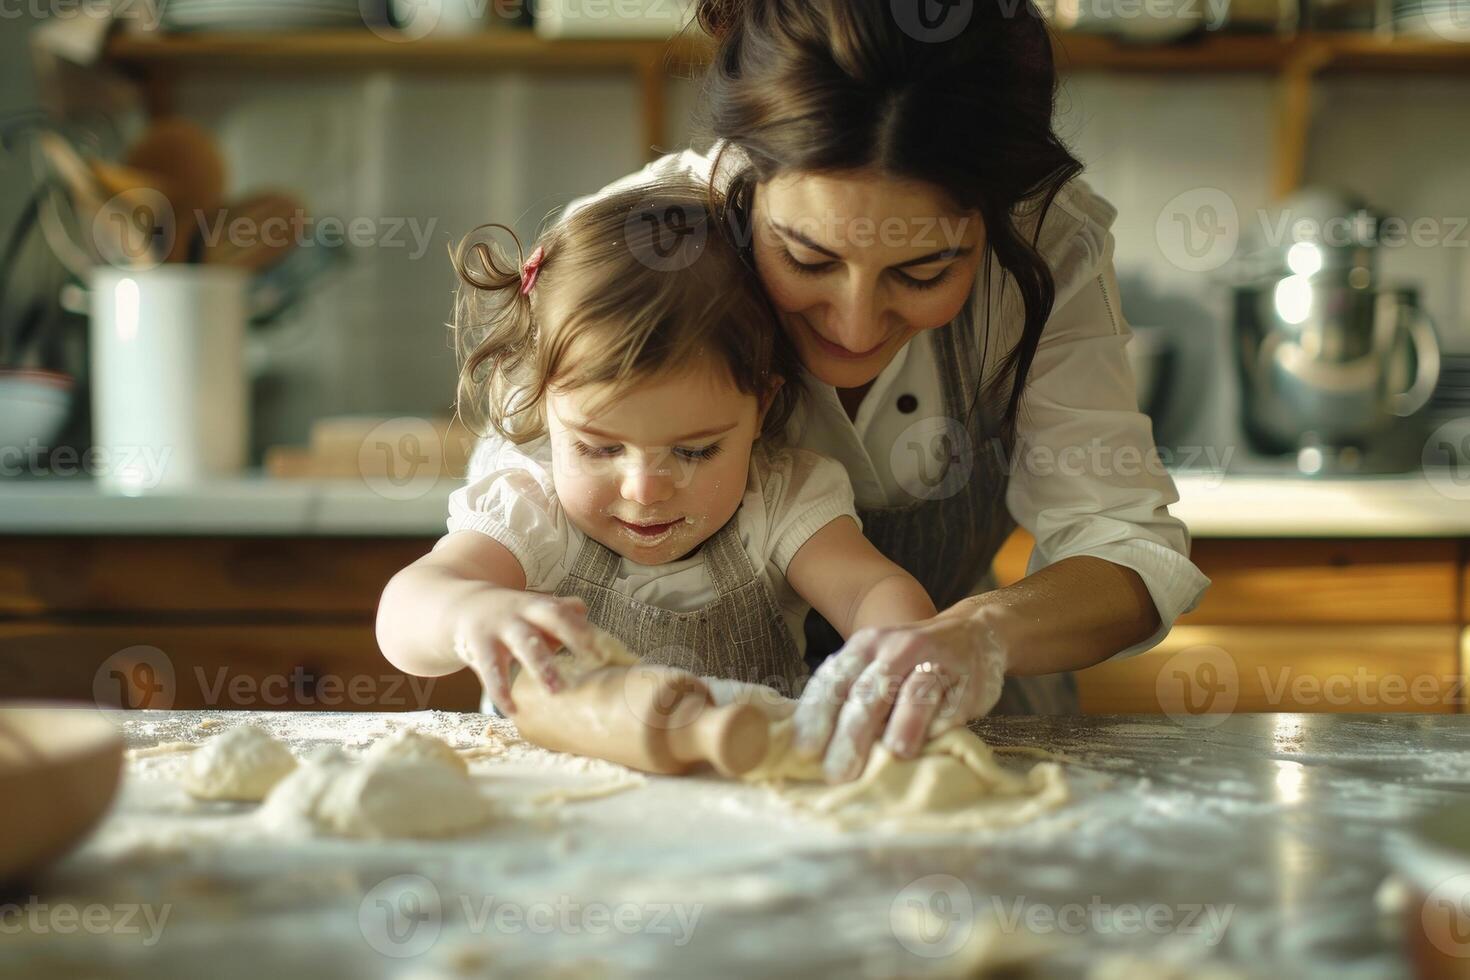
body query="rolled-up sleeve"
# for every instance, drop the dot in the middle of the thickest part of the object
(1087, 478)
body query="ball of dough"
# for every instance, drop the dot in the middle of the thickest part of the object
(412, 745)
(375, 798)
(291, 807)
(243, 764)
(401, 799)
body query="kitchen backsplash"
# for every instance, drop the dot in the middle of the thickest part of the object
(427, 158)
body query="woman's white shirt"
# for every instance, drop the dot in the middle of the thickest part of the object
(790, 494)
(1085, 476)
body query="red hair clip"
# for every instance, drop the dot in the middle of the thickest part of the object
(530, 269)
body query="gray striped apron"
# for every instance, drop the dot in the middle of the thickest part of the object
(740, 634)
(959, 520)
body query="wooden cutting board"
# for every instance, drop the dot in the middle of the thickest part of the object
(367, 446)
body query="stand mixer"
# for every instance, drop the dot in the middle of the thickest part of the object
(1334, 368)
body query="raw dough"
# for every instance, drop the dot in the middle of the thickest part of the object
(412, 745)
(293, 804)
(243, 763)
(376, 798)
(954, 784)
(1180, 966)
(402, 799)
(607, 651)
(561, 797)
(162, 748)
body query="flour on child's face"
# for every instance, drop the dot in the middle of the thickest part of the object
(674, 450)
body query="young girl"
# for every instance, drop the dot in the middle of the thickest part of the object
(640, 381)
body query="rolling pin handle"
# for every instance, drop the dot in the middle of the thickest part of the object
(732, 738)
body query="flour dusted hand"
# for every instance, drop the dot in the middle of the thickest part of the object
(907, 684)
(497, 626)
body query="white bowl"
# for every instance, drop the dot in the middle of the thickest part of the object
(33, 407)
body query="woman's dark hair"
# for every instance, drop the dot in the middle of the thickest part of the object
(964, 103)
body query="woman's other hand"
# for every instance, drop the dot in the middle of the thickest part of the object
(905, 684)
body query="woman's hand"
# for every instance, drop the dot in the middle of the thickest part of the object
(906, 683)
(496, 625)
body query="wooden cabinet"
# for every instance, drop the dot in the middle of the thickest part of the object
(1202, 669)
(1300, 625)
(249, 623)
(259, 622)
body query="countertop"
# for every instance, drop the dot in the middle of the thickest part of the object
(1252, 842)
(1434, 503)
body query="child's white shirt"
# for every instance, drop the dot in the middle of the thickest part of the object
(790, 494)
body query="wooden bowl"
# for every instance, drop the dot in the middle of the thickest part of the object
(59, 769)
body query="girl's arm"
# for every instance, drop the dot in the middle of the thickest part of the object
(465, 604)
(852, 584)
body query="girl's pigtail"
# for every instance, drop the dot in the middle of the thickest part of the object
(494, 339)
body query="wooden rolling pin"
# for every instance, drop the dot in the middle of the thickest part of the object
(656, 719)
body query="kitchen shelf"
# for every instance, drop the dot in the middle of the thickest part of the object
(334, 50)
(1264, 53)
(1296, 60)
(159, 60)
(523, 51)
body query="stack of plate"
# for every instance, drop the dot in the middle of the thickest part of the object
(1453, 390)
(1446, 20)
(1448, 411)
(254, 16)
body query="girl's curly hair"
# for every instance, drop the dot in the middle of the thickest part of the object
(634, 284)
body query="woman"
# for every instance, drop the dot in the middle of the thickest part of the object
(949, 286)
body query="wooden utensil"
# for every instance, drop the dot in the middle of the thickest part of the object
(268, 221)
(114, 178)
(109, 226)
(189, 159)
(59, 770)
(145, 206)
(652, 718)
(63, 162)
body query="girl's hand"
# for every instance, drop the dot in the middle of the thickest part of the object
(906, 683)
(496, 625)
